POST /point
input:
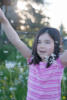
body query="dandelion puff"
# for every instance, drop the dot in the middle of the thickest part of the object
(56, 42)
(52, 59)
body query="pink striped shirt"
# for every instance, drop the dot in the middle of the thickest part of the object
(45, 83)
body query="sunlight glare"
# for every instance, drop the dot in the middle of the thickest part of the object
(57, 12)
(21, 5)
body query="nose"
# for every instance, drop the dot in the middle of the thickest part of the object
(42, 46)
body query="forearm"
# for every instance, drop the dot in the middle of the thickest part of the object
(63, 58)
(10, 32)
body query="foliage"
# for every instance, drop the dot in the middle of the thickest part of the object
(64, 85)
(13, 83)
(13, 79)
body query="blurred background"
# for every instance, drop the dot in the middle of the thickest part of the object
(27, 17)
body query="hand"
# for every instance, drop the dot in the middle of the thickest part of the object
(3, 18)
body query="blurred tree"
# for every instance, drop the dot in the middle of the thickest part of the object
(63, 34)
(36, 20)
(31, 18)
(5, 2)
(62, 30)
(39, 1)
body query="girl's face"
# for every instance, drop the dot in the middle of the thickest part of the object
(45, 46)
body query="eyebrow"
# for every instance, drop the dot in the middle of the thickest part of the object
(44, 40)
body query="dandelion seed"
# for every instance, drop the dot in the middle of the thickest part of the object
(5, 51)
(56, 42)
(5, 78)
(10, 64)
(12, 88)
(60, 46)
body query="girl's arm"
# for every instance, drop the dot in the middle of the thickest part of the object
(13, 36)
(63, 58)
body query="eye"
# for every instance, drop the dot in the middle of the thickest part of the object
(39, 42)
(47, 42)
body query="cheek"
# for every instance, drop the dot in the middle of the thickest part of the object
(50, 48)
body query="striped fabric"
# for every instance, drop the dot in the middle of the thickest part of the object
(45, 83)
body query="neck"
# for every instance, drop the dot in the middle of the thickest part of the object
(44, 60)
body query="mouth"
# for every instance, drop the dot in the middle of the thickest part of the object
(42, 51)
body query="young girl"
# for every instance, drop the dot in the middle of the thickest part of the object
(45, 62)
